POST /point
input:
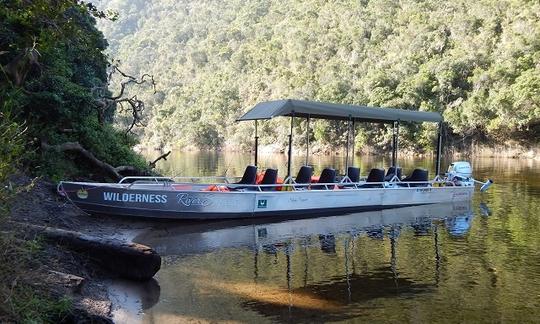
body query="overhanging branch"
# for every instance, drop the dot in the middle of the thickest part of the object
(76, 147)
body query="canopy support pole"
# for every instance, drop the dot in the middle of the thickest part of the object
(289, 160)
(307, 140)
(256, 145)
(439, 148)
(395, 145)
(347, 148)
(353, 141)
(394, 140)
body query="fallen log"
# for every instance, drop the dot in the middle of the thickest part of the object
(126, 259)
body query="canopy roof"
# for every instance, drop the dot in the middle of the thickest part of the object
(303, 108)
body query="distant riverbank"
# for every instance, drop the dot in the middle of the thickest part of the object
(515, 151)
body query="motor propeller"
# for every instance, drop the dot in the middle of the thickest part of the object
(485, 185)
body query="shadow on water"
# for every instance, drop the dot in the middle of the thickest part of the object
(134, 297)
(342, 296)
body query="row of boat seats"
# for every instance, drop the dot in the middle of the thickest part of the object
(395, 173)
(271, 177)
(250, 178)
(375, 177)
(305, 174)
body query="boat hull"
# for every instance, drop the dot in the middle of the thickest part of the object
(164, 201)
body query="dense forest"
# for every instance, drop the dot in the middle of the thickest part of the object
(476, 62)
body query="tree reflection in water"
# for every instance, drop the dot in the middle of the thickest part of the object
(307, 270)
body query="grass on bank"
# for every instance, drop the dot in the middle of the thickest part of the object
(22, 299)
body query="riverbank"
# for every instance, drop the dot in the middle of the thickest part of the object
(55, 272)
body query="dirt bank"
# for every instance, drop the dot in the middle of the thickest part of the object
(62, 271)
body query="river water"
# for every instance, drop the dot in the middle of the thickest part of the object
(469, 262)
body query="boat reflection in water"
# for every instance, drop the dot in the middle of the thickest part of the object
(261, 235)
(303, 270)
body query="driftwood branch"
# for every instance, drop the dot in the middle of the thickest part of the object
(152, 164)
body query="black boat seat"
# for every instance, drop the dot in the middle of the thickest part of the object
(328, 175)
(250, 175)
(418, 175)
(269, 178)
(249, 178)
(375, 175)
(304, 176)
(392, 172)
(353, 173)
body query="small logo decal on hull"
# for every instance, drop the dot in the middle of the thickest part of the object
(82, 194)
(262, 203)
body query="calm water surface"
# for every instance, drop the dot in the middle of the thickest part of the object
(469, 262)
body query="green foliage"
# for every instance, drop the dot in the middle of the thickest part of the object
(59, 55)
(12, 141)
(22, 300)
(475, 62)
(34, 246)
(51, 61)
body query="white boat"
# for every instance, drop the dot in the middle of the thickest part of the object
(222, 197)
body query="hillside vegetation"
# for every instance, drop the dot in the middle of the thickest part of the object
(476, 62)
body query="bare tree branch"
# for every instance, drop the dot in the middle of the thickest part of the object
(135, 105)
(161, 157)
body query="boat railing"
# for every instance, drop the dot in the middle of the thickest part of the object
(170, 180)
(346, 185)
(227, 186)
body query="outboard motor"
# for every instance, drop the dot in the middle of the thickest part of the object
(459, 170)
(460, 173)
